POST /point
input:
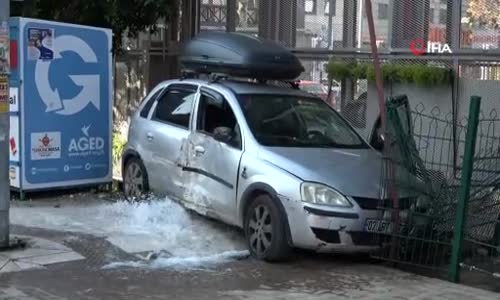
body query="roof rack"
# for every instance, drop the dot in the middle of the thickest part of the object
(188, 74)
(217, 77)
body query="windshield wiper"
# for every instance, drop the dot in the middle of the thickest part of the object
(280, 140)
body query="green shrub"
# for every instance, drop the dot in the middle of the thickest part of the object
(420, 75)
(339, 70)
(360, 71)
(118, 145)
(390, 72)
(370, 73)
(405, 75)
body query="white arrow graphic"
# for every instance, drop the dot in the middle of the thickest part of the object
(72, 43)
(90, 83)
(49, 97)
(89, 94)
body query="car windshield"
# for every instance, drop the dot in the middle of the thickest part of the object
(313, 88)
(292, 121)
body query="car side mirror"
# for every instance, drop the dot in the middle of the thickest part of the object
(378, 142)
(223, 134)
(379, 145)
(377, 139)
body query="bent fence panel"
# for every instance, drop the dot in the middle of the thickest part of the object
(421, 175)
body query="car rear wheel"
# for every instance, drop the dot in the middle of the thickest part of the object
(265, 230)
(135, 181)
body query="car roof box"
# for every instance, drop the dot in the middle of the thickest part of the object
(240, 55)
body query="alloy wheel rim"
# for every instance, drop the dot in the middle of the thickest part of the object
(260, 227)
(134, 185)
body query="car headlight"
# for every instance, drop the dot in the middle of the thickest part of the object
(322, 195)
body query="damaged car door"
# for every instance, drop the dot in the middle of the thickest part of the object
(171, 117)
(214, 151)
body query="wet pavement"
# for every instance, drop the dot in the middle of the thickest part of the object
(197, 274)
(28, 252)
(305, 278)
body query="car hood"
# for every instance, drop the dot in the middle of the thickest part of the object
(353, 172)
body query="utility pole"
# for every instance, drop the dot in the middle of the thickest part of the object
(331, 12)
(4, 123)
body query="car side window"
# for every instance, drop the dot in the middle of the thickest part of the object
(175, 107)
(145, 110)
(216, 117)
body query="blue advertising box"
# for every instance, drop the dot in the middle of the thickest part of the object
(60, 106)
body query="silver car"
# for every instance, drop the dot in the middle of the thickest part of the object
(275, 161)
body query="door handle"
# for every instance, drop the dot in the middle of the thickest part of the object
(199, 150)
(150, 136)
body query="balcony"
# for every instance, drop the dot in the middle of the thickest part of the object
(248, 18)
(215, 16)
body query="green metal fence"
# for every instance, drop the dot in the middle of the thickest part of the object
(440, 205)
(478, 253)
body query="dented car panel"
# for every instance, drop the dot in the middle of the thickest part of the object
(212, 168)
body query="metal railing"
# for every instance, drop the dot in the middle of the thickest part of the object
(213, 15)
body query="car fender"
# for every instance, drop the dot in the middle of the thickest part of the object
(258, 188)
(262, 177)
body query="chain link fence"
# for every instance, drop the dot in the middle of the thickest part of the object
(318, 30)
(459, 35)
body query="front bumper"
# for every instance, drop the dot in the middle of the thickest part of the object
(329, 229)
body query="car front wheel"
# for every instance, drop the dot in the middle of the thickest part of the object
(135, 181)
(265, 230)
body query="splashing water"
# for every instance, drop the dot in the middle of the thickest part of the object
(183, 263)
(137, 227)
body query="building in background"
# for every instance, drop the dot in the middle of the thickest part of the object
(308, 25)
(323, 22)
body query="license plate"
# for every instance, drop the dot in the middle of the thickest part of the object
(378, 226)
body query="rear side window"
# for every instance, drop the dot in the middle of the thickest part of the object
(145, 110)
(175, 107)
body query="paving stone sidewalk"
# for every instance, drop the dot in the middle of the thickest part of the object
(36, 254)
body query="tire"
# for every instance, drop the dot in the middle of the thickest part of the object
(265, 230)
(135, 180)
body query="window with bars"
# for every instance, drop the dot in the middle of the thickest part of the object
(383, 11)
(248, 13)
(327, 7)
(252, 4)
(213, 13)
(443, 16)
(310, 6)
(213, 2)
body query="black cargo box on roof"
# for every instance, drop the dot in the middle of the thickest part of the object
(239, 55)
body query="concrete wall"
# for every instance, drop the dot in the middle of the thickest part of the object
(433, 138)
(426, 99)
(433, 124)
